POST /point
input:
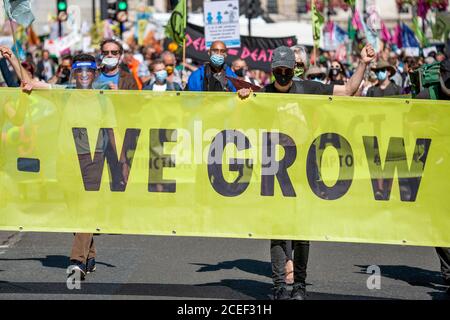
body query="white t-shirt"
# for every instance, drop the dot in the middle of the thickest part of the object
(160, 87)
(48, 71)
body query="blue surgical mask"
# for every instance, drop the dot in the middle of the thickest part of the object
(161, 76)
(217, 60)
(382, 75)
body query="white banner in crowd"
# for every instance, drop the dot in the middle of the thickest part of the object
(222, 23)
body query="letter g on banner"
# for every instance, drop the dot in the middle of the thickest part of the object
(243, 166)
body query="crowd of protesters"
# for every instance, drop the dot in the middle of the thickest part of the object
(130, 67)
(115, 65)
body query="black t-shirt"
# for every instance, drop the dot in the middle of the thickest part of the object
(303, 87)
(391, 90)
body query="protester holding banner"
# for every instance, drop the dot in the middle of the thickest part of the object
(111, 74)
(21, 73)
(441, 92)
(212, 76)
(385, 87)
(283, 64)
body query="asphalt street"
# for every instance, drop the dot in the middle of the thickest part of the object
(33, 266)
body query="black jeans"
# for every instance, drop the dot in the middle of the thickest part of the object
(278, 259)
(444, 256)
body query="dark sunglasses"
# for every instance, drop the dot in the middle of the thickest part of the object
(113, 52)
(315, 77)
(299, 65)
(286, 72)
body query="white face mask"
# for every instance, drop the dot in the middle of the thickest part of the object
(110, 63)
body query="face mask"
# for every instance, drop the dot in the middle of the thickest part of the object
(240, 72)
(382, 75)
(110, 63)
(334, 72)
(298, 72)
(161, 76)
(217, 60)
(283, 80)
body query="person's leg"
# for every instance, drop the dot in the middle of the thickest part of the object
(278, 260)
(81, 247)
(92, 250)
(444, 257)
(301, 254)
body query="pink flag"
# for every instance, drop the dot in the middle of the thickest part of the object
(329, 28)
(422, 8)
(356, 21)
(385, 34)
(397, 38)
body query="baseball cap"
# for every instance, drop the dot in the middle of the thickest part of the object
(283, 57)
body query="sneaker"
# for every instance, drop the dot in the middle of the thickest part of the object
(77, 266)
(90, 265)
(299, 292)
(280, 293)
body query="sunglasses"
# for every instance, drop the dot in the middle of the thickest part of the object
(299, 65)
(286, 72)
(314, 77)
(113, 52)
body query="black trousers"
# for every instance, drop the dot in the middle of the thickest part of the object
(278, 256)
(444, 257)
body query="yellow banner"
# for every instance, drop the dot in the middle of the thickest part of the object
(207, 164)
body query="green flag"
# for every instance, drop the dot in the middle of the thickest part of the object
(317, 22)
(19, 11)
(351, 3)
(419, 33)
(442, 25)
(176, 26)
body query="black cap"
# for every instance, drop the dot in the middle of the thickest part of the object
(283, 57)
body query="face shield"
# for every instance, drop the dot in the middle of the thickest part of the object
(83, 74)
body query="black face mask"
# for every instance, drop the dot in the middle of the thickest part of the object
(240, 72)
(283, 80)
(334, 72)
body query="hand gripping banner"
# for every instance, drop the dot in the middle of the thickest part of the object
(208, 164)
